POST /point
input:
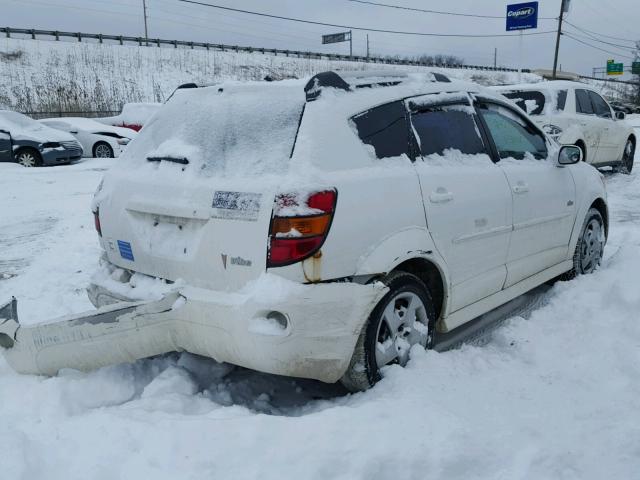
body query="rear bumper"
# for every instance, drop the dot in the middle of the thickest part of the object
(323, 322)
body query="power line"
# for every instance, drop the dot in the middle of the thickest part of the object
(595, 39)
(351, 27)
(438, 12)
(584, 30)
(597, 48)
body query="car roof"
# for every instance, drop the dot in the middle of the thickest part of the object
(548, 85)
(354, 91)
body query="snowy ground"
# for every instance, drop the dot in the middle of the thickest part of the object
(555, 396)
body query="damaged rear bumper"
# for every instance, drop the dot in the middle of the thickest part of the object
(307, 332)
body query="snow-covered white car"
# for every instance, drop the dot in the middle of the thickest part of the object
(322, 235)
(575, 114)
(133, 115)
(32, 144)
(97, 139)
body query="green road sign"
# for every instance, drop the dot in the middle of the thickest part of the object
(615, 68)
(635, 68)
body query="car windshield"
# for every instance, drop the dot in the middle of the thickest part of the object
(224, 131)
(9, 118)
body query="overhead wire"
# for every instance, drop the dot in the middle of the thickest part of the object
(438, 12)
(595, 47)
(353, 27)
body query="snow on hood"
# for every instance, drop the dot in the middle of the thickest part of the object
(22, 127)
(133, 114)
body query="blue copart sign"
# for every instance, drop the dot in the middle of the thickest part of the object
(522, 16)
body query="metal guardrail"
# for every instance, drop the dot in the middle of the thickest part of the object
(158, 42)
(85, 114)
(611, 80)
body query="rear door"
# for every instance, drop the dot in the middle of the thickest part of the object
(543, 194)
(466, 197)
(594, 127)
(5, 147)
(612, 140)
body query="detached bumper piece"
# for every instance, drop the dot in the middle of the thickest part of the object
(116, 334)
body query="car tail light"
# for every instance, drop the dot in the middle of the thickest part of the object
(96, 222)
(299, 226)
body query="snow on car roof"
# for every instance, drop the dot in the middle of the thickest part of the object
(549, 85)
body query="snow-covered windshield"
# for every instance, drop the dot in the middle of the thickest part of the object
(14, 119)
(225, 131)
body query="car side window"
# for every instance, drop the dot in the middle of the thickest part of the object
(385, 129)
(562, 100)
(600, 105)
(447, 127)
(512, 136)
(583, 102)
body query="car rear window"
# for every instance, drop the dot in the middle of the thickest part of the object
(531, 101)
(385, 129)
(236, 131)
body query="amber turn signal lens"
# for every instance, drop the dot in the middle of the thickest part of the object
(300, 226)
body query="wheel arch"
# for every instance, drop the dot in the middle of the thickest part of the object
(600, 205)
(431, 275)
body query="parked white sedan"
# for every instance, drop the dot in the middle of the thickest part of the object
(97, 139)
(576, 114)
(322, 235)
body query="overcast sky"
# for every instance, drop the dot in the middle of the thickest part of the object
(176, 20)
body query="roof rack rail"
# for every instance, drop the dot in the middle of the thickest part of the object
(351, 80)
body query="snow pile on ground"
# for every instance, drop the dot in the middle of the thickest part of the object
(553, 396)
(50, 76)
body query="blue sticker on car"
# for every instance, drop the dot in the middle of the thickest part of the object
(125, 250)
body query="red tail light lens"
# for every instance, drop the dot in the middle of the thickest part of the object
(96, 222)
(299, 226)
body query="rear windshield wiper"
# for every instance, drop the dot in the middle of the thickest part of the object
(180, 160)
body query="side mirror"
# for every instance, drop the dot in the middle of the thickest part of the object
(569, 155)
(620, 115)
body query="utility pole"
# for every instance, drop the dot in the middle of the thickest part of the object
(555, 58)
(350, 43)
(495, 57)
(146, 31)
(367, 46)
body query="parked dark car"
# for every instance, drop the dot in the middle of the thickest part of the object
(32, 144)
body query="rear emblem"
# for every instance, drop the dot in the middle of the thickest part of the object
(238, 261)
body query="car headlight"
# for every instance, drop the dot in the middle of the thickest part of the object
(552, 130)
(51, 145)
(123, 140)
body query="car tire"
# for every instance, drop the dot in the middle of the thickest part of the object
(387, 337)
(102, 150)
(626, 164)
(587, 256)
(28, 157)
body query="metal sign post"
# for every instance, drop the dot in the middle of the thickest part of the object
(522, 16)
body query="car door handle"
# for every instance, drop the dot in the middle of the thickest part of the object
(440, 196)
(521, 188)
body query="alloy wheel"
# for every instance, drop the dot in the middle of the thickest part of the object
(592, 246)
(27, 159)
(404, 323)
(103, 151)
